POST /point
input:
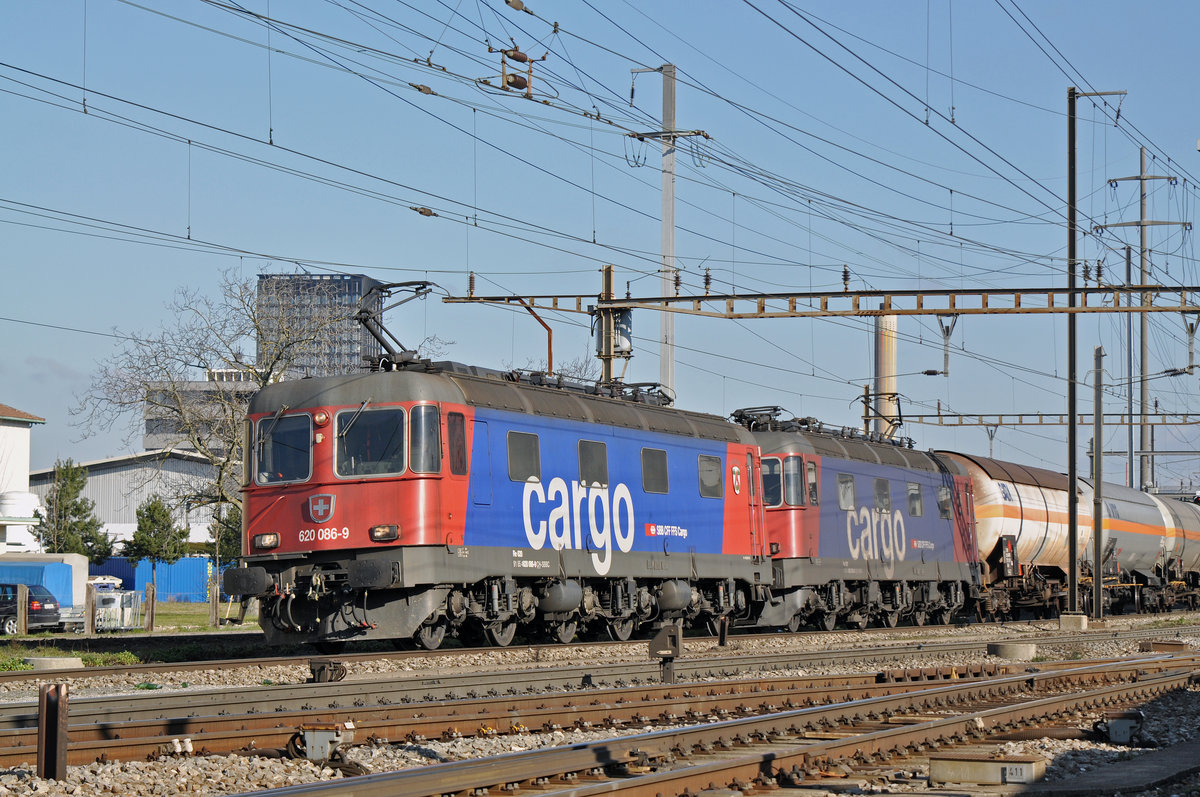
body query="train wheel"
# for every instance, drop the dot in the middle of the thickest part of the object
(795, 624)
(827, 621)
(919, 618)
(564, 632)
(620, 630)
(430, 636)
(501, 634)
(889, 619)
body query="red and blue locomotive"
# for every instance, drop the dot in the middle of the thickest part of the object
(443, 499)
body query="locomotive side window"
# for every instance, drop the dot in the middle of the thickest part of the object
(883, 495)
(793, 481)
(593, 463)
(812, 483)
(712, 485)
(456, 428)
(425, 440)
(845, 491)
(369, 442)
(750, 472)
(916, 506)
(772, 481)
(283, 453)
(944, 502)
(654, 471)
(524, 457)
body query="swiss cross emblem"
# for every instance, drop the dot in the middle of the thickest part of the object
(320, 507)
(736, 472)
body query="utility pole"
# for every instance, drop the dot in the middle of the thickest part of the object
(1144, 433)
(1097, 494)
(668, 135)
(1072, 436)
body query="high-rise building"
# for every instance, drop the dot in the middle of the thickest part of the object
(291, 306)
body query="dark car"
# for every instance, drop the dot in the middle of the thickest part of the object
(43, 608)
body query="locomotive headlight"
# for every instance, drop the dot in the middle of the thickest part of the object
(385, 533)
(264, 541)
(321, 418)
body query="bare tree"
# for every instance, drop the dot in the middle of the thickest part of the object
(584, 368)
(186, 386)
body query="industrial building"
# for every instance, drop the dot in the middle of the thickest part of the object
(119, 485)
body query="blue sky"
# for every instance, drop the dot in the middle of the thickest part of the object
(919, 144)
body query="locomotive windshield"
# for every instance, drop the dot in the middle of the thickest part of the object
(284, 449)
(370, 442)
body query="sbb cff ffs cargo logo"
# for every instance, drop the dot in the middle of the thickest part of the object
(320, 507)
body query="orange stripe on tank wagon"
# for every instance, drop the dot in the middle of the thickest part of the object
(1011, 512)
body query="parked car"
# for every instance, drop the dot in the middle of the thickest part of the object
(42, 611)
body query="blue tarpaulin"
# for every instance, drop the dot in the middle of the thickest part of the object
(54, 576)
(185, 581)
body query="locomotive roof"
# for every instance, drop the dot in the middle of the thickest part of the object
(495, 390)
(1012, 472)
(828, 444)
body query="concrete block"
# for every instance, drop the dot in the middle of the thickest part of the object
(54, 662)
(985, 769)
(1068, 621)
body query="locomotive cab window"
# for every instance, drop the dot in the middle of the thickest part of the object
(593, 463)
(883, 495)
(712, 484)
(456, 430)
(845, 491)
(654, 471)
(772, 476)
(524, 457)
(369, 442)
(425, 440)
(793, 481)
(943, 501)
(813, 492)
(915, 502)
(284, 449)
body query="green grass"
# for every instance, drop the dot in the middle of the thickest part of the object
(194, 616)
(1172, 622)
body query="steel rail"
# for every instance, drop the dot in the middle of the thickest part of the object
(692, 663)
(634, 764)
(614, 708)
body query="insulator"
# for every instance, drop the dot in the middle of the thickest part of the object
(1087, 272)
(515, 5)
(516, 55)
(421, 87)
(678, 281)
(707, 280)
(516, 82)
(845, 278)
(471, 283)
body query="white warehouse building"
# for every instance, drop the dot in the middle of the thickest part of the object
(119, 485)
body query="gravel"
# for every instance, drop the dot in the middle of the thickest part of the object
(1169, 720)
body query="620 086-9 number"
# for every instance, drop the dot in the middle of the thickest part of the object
(331, 533)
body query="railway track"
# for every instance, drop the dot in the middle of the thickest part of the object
(788, 746)
(1031, 631)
